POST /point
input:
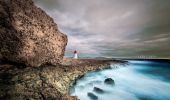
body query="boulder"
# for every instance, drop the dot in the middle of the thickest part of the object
(92, 96)
(28, 35)
(109, 81)
(98, 90)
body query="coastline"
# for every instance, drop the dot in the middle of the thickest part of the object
(153, 77)
(46, 82)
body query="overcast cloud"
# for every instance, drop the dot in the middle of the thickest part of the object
(113, 28)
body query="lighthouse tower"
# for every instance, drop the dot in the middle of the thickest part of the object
(75, 55)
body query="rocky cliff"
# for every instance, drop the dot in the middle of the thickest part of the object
(28, 35)
(45, 82)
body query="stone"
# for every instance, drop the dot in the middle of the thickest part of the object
(92, 96)
(28, 35)
(109, 81)
(98, 90)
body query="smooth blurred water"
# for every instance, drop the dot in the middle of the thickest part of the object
(139, 80)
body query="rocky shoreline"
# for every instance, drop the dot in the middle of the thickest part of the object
(47, 82)
(32, 63)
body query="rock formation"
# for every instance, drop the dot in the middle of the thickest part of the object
(28, 35)
(109, 81)
(45, 82)
(92, 96)
(98, 90)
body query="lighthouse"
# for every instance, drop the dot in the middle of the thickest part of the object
(75, 55)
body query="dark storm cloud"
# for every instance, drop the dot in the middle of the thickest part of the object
(113, 27)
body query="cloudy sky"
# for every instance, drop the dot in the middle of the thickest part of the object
(113, 28)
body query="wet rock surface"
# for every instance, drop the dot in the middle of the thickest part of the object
(92, 96)
(28, 35)
(109, 81)
(98, 90)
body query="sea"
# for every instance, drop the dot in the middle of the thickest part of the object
(138, 80)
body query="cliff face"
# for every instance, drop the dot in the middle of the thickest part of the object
(28, 35)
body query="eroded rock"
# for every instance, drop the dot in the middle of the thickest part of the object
(28, 35)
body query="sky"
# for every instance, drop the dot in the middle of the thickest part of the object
(113, 28)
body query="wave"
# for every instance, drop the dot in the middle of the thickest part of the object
(130, 84)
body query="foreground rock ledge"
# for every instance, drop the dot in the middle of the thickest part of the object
(46, 82)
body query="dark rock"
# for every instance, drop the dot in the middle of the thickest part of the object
(109, 81)
(28, 35)
(92, 96)
(98, 90)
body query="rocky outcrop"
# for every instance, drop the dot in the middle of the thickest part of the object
(98, 90)
(45, 82)
(28, 35)
(109, 81)
(92, 96)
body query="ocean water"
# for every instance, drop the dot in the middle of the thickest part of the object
(139, 80)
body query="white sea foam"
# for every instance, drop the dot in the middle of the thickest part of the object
(129, 85)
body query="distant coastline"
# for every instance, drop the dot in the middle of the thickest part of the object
(157, 59)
